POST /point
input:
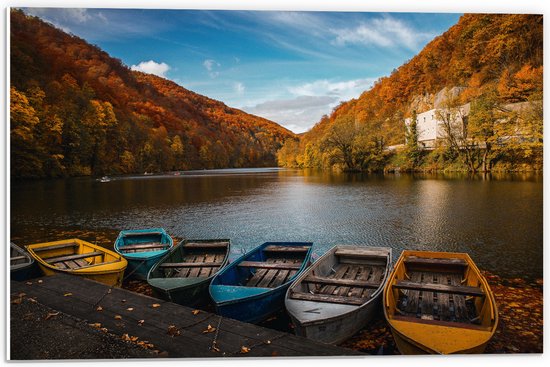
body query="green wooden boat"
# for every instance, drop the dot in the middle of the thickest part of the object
(184, 274)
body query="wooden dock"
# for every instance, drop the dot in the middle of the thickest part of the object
(176, 331)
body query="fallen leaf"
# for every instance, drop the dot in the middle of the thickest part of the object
(67, 294)
(96, 325)
(209, 329)
(123, 300)
(130, 309)
(173, 330)
(22, 294)
(195, 312)
(155, 305)
(118, 317)
(28, 283)
(40, 281)
(17, 301)
(104, 329)
(215, 349)
(140, 322)
(245, 349)
(268, 342)
(99, 308)
(50, 315)
(32, 300)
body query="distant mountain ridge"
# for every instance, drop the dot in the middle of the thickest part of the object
(77, 111)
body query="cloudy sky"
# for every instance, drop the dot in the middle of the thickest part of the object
(289, 67)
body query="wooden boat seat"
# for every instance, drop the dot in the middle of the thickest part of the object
(439, 288)
(140, 246)
(265, 265)
(413, 260)
(52, 260)
(55, 247)
(359, 253)
(463, 325)
(286, 249)
(140, 234)
(356, 301)
(346, 282)
(16, 258)
(189, 265)
(200, 245)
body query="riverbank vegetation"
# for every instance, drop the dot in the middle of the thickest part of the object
(75, 111)
(483, 77)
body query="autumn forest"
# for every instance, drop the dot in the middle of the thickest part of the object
(76, 111)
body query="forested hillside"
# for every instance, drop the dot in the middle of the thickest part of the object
(75, 110)
(493, 59)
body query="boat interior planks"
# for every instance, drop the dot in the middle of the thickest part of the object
(275, 270)
(143, 247)
(201, 260)
(437, 296)
(346, 284)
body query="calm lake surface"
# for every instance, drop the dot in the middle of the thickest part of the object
(498, 221)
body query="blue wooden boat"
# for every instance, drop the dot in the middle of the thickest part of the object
(143, 248)
(253, 287)
(184, 274)
(22, 265)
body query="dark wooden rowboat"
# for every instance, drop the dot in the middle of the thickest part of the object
(184, 274)
(22, 265)
(340, 293)
(253, 287)
(439, 303)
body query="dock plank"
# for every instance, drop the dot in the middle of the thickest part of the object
(192, 342)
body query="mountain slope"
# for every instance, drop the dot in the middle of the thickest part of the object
(77, 111)
(484, 54)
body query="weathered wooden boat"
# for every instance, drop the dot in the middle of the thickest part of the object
(184, 274)
(22, 265)
(340, 293)
(253, 287)
(78, 257)
(143, 248)
(439, 303)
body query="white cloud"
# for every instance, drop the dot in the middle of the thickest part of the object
(210, 65)
(152, 67)
(239, 87)
(310, 102)
(383, 32)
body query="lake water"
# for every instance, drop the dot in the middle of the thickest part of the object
(498, 221)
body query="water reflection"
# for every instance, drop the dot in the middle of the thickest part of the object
(497, 220)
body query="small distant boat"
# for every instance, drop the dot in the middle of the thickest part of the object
(143, 248)
(340, 293)
(253, 287)
(184, 274)
(22, 265)
(78, 257)
(439, 303)
(104, 179)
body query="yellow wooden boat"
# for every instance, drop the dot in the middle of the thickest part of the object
(439, 303)
(78, 257)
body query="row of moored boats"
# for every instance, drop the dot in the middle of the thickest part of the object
(434, 302)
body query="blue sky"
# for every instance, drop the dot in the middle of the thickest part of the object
(290, 67)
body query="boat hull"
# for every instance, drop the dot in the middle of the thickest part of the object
(139, 263)
(334, 323)
(253, 309)
(188, 285)
(235, 298)
(24, 267)
(428, 334)
(109, 270)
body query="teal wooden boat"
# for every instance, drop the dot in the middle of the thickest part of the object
(143, 248)
(184, 274)
(253, 287)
